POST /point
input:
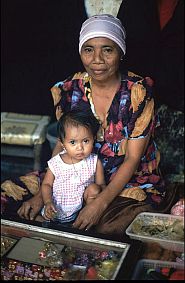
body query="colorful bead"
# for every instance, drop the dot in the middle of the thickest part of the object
(91, 273)
(42, 254)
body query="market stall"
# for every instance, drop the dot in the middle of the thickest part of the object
(151, 249)
(55, 253)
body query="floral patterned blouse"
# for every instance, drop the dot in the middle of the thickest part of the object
(131, 116)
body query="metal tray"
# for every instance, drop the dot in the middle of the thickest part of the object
(19, 231)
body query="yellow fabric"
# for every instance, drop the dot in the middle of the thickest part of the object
(23, 129)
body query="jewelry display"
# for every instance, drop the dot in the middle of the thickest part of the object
(6, 244)
(52, 254)
(67, 264)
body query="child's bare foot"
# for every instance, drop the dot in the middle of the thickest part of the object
(39, 218)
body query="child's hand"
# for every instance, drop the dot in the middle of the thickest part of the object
(49, 211)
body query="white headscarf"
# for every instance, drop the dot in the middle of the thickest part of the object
(103, 25)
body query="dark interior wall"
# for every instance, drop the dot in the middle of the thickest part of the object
(155, 52)
(39, 46)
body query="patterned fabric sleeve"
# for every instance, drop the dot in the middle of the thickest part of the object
(61, 98)
(141, 110)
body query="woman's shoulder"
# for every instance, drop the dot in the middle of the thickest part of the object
(132, 79)
(67, 84)
(80, 76)
(73, 77)
(128, 75)
(138, 86)
(133, 75)
(137, 78)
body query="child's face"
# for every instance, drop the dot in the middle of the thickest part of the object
(78, 142)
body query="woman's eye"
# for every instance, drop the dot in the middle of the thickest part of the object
(107, 50)
(88, 49)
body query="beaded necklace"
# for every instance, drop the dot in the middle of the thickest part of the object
(76, 172)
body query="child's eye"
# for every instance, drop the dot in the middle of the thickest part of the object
(86, 141)
(72, 142)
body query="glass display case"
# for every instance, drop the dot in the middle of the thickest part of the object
(32, 252)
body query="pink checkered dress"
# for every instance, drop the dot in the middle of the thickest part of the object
(70, 183)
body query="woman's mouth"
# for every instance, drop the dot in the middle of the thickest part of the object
(98, 72)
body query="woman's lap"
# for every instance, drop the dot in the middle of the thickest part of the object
(115, 219)
(120, 214)
(122, 211)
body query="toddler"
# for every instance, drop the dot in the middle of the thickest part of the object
(75, 175)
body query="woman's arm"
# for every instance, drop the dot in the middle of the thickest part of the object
(58, 148)
(30, 208)
(99, 176)
(91, 213)
(134, 152)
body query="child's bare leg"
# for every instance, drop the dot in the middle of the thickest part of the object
(91, 192)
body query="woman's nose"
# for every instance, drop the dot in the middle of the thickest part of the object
(98, 57)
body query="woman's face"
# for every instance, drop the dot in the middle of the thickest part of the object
(101, 58)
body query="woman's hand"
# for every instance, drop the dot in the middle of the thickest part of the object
(90, 215)
(30, 208)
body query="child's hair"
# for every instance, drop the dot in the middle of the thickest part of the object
(76, 117)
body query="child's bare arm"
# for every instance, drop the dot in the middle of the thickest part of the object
(46, 187)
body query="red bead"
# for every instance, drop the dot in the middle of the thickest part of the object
(42, 254)
(165, 270)
(91, 273)
(177, 275)
(34, 267)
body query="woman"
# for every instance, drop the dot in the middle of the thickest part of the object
(124, 105)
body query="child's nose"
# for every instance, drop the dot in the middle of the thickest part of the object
(79, 146)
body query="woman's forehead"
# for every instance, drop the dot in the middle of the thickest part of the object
(99, 41)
